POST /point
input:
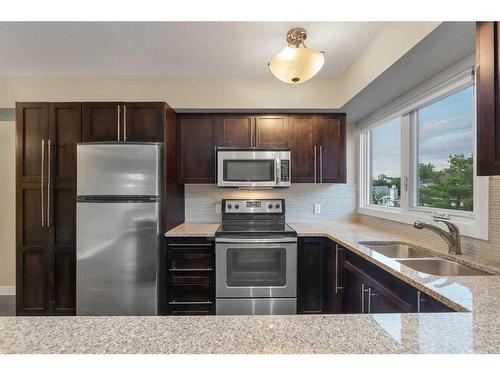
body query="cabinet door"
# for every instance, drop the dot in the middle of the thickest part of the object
(314, 274)
(102, 122)
(332, 148)
(32, 255)
(196, 161)
(144, 122)
(234, 130)
(428, 304)
(271, 131)
(488, 98)
(65, 131)
(303, 147)
(32, 127)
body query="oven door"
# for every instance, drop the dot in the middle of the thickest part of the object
(256, 268)
(248, 169)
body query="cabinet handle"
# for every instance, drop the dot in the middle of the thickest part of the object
(251, 135)
(362, 298)
(337, 287)
(41, 181)
(48, 183)
(190, 303)
(419, 301)
(124, 123)
(190, 269)
(118, 123)
(315, 166)
(370, 294)
(321, 164)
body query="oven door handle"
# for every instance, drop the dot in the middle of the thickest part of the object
(276, 240)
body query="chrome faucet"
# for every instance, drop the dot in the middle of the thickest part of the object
(452, 237)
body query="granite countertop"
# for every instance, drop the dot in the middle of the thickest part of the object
(193, 230)
(476, 329)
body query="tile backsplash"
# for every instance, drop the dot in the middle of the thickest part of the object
(338, 201)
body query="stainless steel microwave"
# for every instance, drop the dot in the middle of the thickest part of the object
(253, 167)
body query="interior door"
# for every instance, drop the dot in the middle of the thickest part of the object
(102, 121)
(144, 122)
(32, 251)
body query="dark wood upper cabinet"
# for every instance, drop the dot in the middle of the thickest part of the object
(234, 130)
(303, 147)
(144, 122)
(196, 149)
(488, 98)
(271, 131)
(102, 122)
(331, 133)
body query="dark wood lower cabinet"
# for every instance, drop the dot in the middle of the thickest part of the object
(189, 276)
(369, 289)
(334, 280)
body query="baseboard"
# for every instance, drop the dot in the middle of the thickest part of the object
(7, 290)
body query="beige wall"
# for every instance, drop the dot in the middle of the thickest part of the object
(7, 203)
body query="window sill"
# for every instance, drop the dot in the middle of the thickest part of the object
(470, 227)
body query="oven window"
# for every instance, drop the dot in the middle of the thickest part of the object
(256, 267)
(249, 170)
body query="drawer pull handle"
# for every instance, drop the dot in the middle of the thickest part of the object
(190, 303)
(189, 245)
(189, 269)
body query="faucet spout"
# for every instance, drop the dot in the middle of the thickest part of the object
(452, 237)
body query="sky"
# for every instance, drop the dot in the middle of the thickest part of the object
(445, 128)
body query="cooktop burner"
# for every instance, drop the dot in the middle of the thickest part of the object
(254, 217)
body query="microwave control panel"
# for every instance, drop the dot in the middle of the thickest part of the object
(285, 171)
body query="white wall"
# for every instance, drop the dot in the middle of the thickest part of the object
(7, 203)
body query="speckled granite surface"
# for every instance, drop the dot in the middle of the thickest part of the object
(477, 330)
(193, 230)
(383, 333)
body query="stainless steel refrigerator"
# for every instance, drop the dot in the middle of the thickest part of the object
(118, 225)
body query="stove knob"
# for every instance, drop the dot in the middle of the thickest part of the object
(236, 206)
(277, 206)
(270, 206)
(229, 206)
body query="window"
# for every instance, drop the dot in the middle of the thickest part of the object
(418, 160)
(386, 163)
(446, 152)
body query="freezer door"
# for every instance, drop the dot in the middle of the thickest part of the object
(118, 169)
(116, 249)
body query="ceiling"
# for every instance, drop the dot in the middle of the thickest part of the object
(449, 43)
(170, 48)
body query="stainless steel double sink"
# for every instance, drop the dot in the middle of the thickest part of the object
(421, 260)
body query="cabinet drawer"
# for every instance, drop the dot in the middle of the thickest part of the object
(190, 259)
(190, 293)
(190, 276)
(191, 309)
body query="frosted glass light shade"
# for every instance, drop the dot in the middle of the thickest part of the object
(296, 65)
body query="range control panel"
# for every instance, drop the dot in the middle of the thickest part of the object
(254, 206)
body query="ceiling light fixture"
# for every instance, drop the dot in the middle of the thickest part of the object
(295, 64)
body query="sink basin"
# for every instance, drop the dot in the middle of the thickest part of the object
(398, 250)
(441, 267)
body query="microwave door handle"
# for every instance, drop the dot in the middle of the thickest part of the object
(278, 172)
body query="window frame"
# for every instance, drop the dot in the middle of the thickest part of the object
(472, 224)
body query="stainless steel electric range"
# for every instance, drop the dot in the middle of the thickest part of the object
(256, 259)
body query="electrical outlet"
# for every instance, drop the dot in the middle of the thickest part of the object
(317, 208)
(218, 208)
